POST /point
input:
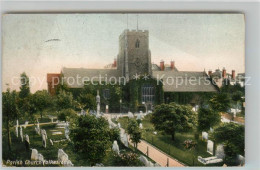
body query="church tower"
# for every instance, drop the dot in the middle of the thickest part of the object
(134, 56)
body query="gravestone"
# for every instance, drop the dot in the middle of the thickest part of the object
(16, 131)
(220, 153)
(34, 155)
(27, 138)
(141, 126)
(205, 136)
(44, 140)
(210, 146)
(21, 133)
(67, 131)
(240, 160)
(51, 142)
(119, 125)
(41, 158)
(130, 115)
(144, 160)
(25, 124)
(115, 147)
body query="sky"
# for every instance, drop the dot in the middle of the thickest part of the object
(194, 41)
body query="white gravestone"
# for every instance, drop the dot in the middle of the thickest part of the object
(27, 138)
(67, 131)
(119, 125)
(26, 124)
(64, 158)
(130, 115)
(40, 158)
(16, 128)
(51, 142)
(43, 140)
(21, 133)
(205, 136)
(144, 160)
(34, 155)
(210, 146)
(115, 147)
(141, 126)
(240, 160)
(220, 153)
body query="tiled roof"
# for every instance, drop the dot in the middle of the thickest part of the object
(83, 74)
(184, 81)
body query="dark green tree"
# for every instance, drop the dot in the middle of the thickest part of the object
(10, 112)
(64, 100)
(220, 102)
(207, 118)
(134, 131)
(67, 115)
(87, 101)
(42, 100)
(232, 135)
(90, 138)
(25, 87)
(172, 118)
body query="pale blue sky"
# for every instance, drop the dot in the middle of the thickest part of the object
(194, 41)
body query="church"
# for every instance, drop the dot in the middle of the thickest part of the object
(153, 84)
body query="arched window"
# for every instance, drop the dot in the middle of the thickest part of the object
(148, 93)
(137, 43)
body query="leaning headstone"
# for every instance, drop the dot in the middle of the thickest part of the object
(220, 153)
(51, 142)
(40, 158)
(205, 136)
(240, 160)
(210, 146)
(34, 155)
(141, 126)
(27, 138)
(21, 133)
(130, 115)
(115, 147)
(43, 140)
(144, 160)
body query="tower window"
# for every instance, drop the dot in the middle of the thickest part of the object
(137, 44)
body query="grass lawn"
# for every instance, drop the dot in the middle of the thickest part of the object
(175, 149)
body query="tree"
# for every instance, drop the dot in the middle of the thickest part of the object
(25, 87)
(90, 138)
(232, 135)
(41, 100)
(67, 115)
(64, 100)
(134, 131)
(10, 112)
(207, 118)
(172, 118)
(88, 101)
(220, 102)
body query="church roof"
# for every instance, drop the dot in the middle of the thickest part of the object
(185, 81)
(82, 74)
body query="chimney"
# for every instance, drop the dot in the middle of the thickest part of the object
(233, 74)
(224, 72)
(114, 64)
(209, 72)
(162, 65)
(172, 65)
